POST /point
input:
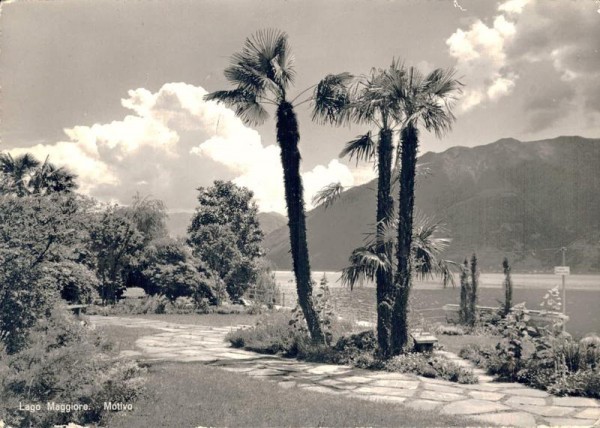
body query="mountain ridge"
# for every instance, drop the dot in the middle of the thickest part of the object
(508, 197)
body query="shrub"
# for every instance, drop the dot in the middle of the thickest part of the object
(432, 366)
(272, 334)
(449, 330)
(65, 364)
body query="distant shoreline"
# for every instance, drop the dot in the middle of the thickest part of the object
(542, 281)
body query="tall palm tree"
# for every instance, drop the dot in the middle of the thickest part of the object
(262, 73)
(16, 172)
(427, 102)
(372, 100)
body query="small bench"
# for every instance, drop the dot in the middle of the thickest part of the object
(424, 342)
(77, 309)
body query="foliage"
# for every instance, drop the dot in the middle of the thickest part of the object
(265, 291)
(225, 234)
(469, 284)
(272, 334)
(149, 216)
(25, 175)
(156, 304)
(65, 364)
(75, 281)
(115, 242)
(39, 245)
(543, 357)
(262, 73)
(449, 330)
(24, 299)
(167, 267)
(366, 262)
(432, 366)
(508, 288)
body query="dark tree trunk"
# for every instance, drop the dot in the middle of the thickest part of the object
(288, 137)
(385, 296)
(409, 140)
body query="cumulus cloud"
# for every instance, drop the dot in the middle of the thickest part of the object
(173, 142)
(480, 53)
(551, 47)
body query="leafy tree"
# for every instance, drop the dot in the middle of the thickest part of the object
(225, 234)
(149, 217)
(426, 101)
(115, 242)
(36, 234)
(16, 172)
(170, 269)
(262, 73)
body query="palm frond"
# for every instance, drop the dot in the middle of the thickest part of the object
(364, 265)
(328, 195)
(245, 103)
(331, 99)
(362, 148)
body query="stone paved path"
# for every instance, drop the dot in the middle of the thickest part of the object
(507, 404)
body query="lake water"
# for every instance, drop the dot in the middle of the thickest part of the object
(428, 297)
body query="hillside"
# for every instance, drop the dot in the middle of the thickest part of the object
(513, 198)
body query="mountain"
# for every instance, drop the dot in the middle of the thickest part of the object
(523, 200)
(271, 221)
(178, 222)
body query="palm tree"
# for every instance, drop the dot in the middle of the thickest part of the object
(262, 73)
(47, 178)
(16, 172)
(426, 250)
(427, 101)
(373, 100)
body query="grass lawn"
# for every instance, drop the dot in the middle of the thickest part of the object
(214, 320)
(191, 395)
(124, 338)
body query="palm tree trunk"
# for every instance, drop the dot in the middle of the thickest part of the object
(384, 279)
(410, 140)
(288, 137)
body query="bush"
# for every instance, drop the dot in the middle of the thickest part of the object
(65, 364)
(449, 330)
(75, 282)
(428, 365)
(272, 334)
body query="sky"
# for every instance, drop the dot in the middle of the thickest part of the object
(113, 89)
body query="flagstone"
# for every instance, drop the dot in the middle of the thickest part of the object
(472, 406)
(512, 419)
(379, 390)
(483, 395)
(575, 402)
(329, 368)
(443, 388)
(571, 422)
(355, 379)
(403, 384)
(441, 396)
(527, 392)
(590, 413)
(518, 400)
(546, 410)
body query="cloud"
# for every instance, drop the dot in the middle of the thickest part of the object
(480, 54)
(551, 47)
(172, 142)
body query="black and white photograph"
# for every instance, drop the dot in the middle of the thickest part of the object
(299, 213)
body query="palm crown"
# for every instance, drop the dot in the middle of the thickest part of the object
(261, 72)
